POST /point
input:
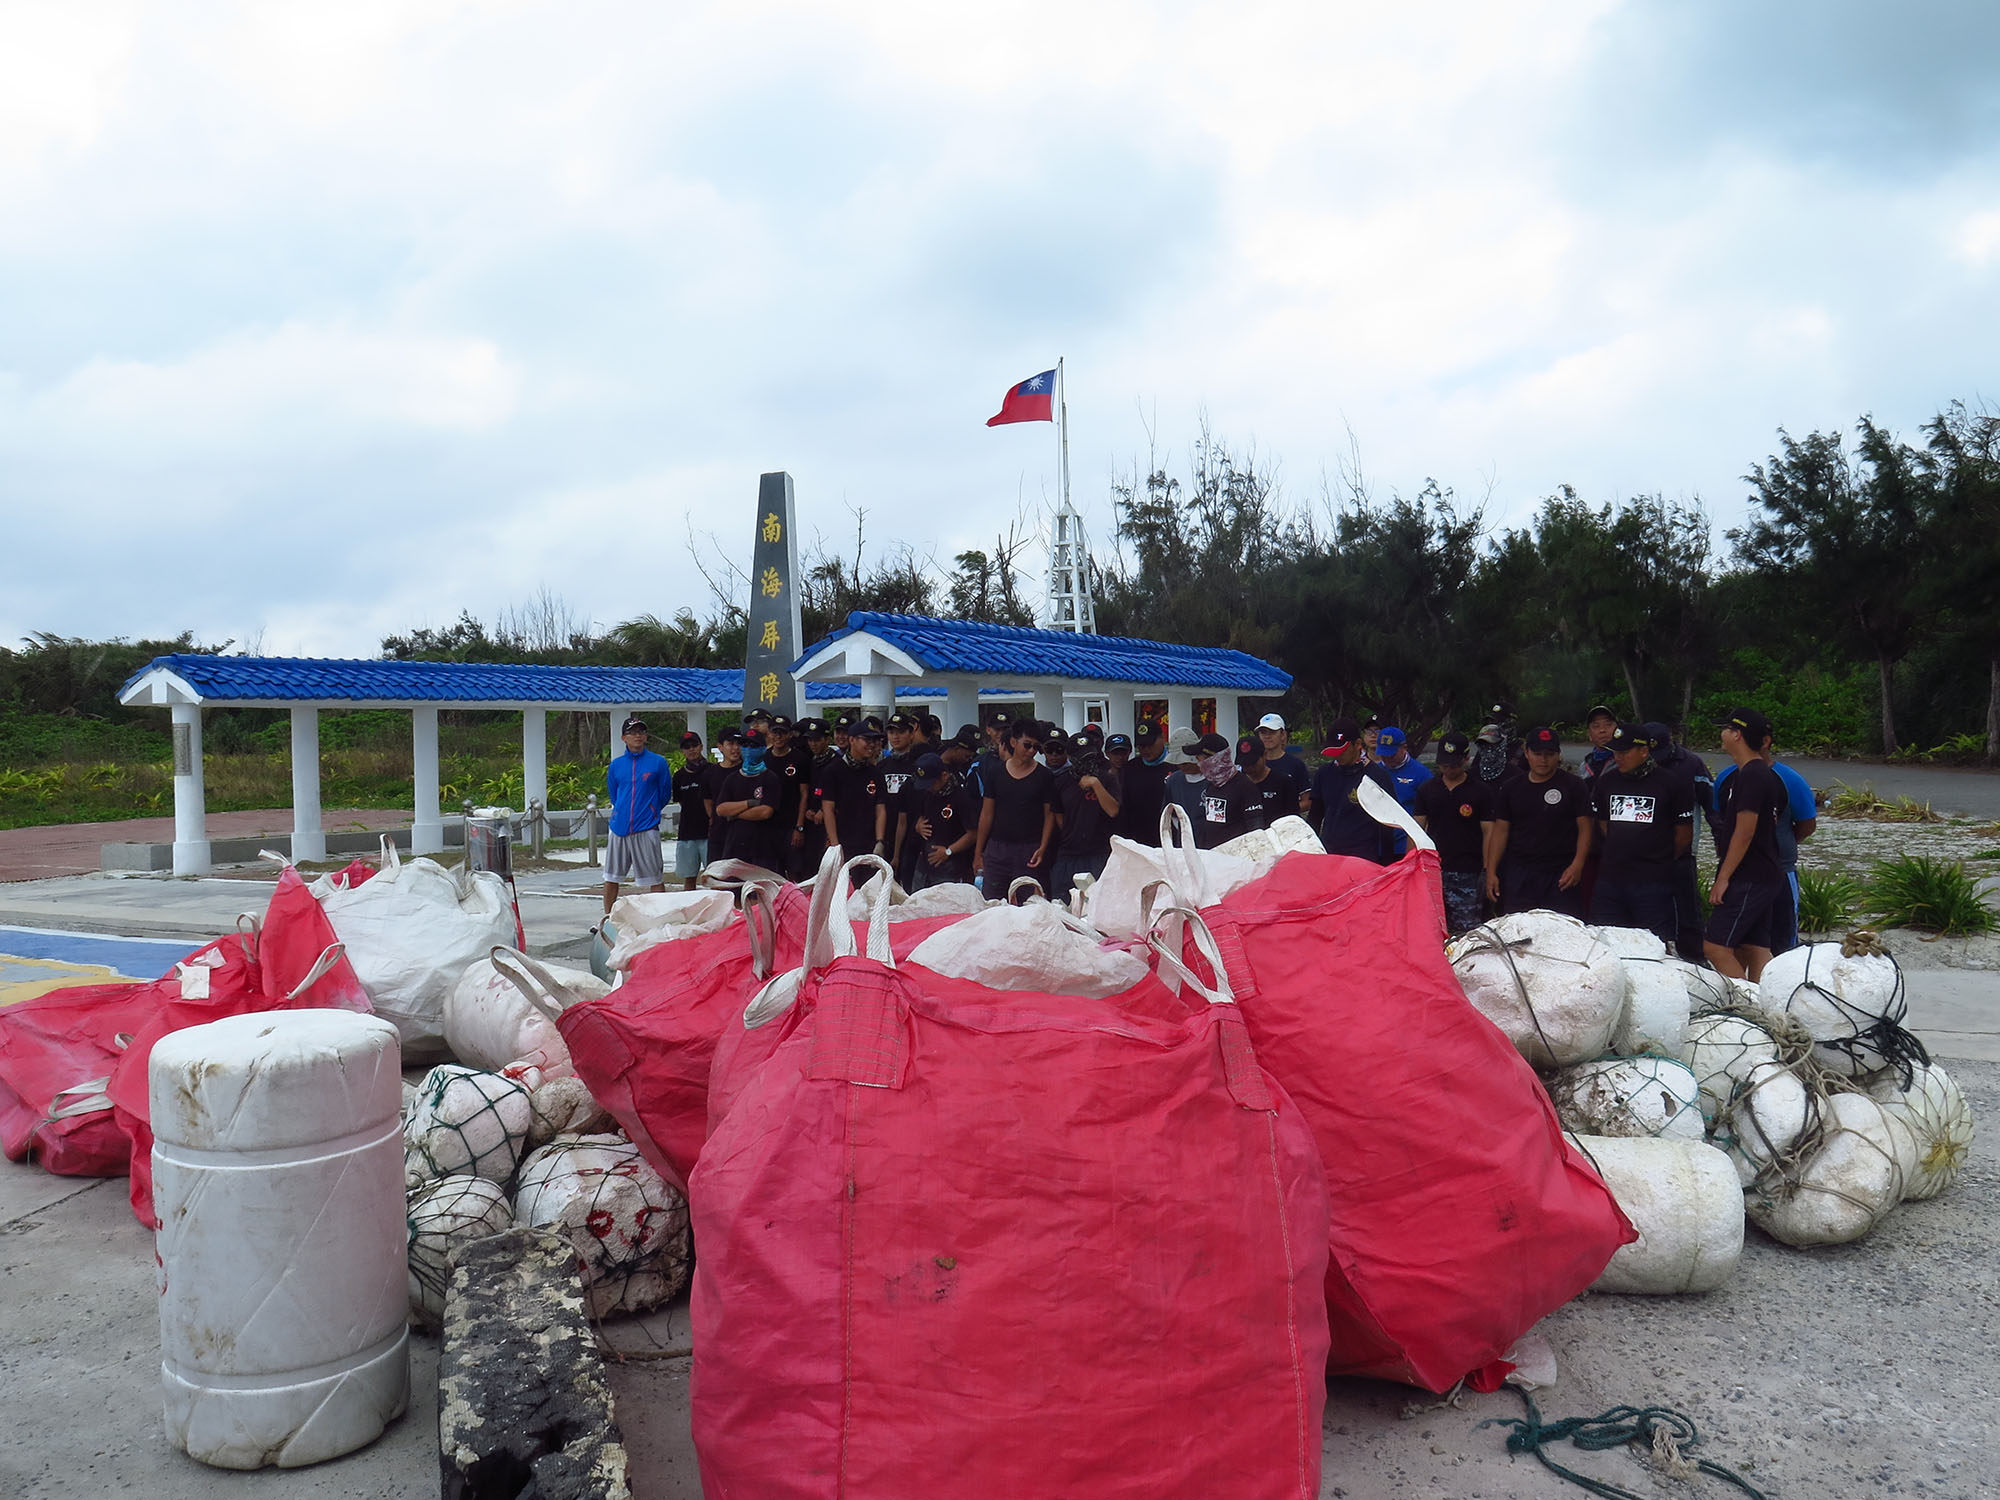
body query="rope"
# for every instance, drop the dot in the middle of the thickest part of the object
(1484, 939)
(1666, 1436)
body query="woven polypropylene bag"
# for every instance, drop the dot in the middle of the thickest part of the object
(629, 1226)
(1460, 1214)
(941, 1213)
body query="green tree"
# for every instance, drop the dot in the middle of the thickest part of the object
(1963, 460)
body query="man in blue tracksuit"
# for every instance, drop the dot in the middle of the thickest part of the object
(639, 784)
(1406, 772)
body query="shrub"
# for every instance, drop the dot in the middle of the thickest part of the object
(1861, 802)
(1937, 895)
(1828, 900)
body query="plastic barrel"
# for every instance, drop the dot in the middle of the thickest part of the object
(278, 1179)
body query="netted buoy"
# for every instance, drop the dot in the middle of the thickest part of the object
(1628, 1097)
(466, 1120)
(1683, 1198)
(1554, 990)
(628, 1224)
(1841, 1191)
(1849, 998)
(1721, 1051)
(1940, 1124)
(445, 1213)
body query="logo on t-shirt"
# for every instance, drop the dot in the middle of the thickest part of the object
(1553, 796)
(946, 812)
(1215, 809)
(1465, 809)
(1627, 807)
(896, 780)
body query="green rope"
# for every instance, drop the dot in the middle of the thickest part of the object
(1659, 1430)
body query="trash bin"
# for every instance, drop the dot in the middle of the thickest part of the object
(489, 844)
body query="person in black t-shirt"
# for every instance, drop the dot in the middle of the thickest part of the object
(1748, 805)
(746, 804)
(1283, 757)
(899, 768)
(691, 793)
(857, 815)
(808, 835)
(1017, 817)
(1456, 810)
(1143, 781)
(1541, 833)
(1275, 793)
(1345, 826)
(1227, 806)
(1086, 809)
(1645, 821)
(946, 825)
(729, 745)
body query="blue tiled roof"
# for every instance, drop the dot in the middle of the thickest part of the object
(239, 679)
(1017, 651)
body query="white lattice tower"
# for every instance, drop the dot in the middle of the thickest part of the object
(1069, 606)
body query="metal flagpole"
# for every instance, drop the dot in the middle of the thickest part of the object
(1062, 427)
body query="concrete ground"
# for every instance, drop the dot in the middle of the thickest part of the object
(1953, 790)
(1862, 1369)
(76, 848)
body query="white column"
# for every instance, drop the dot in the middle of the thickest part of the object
(190, 797)
(1124, 716)
(426, 826)
(1226, 723)
(618, 716)
(878, 695)
(1049, 702)
(1180, 710)
(961, 705)
(1072, 712)
(308, 833)
(535, 757)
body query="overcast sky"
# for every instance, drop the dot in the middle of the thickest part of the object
(322, 321)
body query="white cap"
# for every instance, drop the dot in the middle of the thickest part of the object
(1272, 721)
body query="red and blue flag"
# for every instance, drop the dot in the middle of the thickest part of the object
(1033, 400)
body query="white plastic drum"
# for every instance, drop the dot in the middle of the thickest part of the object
(278, 1178)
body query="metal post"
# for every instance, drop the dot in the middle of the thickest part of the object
(590, 828)
(538, 825)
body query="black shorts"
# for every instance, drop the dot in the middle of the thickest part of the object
(1743, 918)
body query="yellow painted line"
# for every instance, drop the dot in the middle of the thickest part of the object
(26, 978)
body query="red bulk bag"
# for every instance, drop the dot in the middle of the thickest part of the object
(1460, 1213)
(970, 1242)
(56, 1054)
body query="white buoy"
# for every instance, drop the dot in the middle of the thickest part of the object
(1683, 1199)
(278, 1179)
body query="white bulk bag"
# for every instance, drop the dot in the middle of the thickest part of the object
(410, 932)
(628, 1225)
(466, 1120)
(1845, 1188)
(955, 898)
(1940, 1125)
(1721, 1051)
(1036, 946)
(1640, 1096)
(446, 1213)
(1763, 1120)
(1852, 1004)
(648, 918)
(1199, 877)
(1683, 1198)
(1546, 982)
(1264, 847)
(501, 1013)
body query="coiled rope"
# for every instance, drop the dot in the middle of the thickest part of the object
(1667, 1436)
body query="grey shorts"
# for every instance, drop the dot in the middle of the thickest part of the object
(690, 857)
(634, 858)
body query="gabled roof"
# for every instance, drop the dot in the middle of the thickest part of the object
(223, 680)
(959, 646)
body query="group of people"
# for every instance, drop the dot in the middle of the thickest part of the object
(1017, 799)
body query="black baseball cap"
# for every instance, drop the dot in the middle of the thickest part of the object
(1501, 710)
(757, 715)
(970, 736)
(1631, 737)
(781, 724)
(1340, 734)
(1660, 734)
(1148, 732)
(1090, 734)
(1209, 744)
(1542, 738)
(844, 724)
(1249, 750)
(1454, 746)
(901, 721)
(753, 738)
(1600, 711)
(933, 725)
(999, 718)
(1752, 725)
(813, 729)
(633, 725)
(869, 728)
(690, 740)
(1057, 740)
(1371, 721)
(1117, 743)
(731, 733)
(929, 764)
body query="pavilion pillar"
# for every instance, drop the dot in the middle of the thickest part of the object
(308, 831)
(878, 695)
(618, 716)
(190, 796)
(426, 825)
(961, 705)
(1226, 722)
(1180, 711)
(1049, 702)
(1123, 715)
(1072, 714)
(535, 757)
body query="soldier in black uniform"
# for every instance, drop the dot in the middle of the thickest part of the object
(809, 836)
(747, 806)
(947, 820)
(1144, 779)
(857, 814)
(899, 767)
(1541, 834)
(1645, 821)
(729, 745)
(1275, 789)
(1229, 803)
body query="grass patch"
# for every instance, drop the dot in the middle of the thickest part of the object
(1861, 802)
(1933, 895)
(1828, 900)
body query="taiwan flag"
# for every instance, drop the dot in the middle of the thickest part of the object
(1030, 401)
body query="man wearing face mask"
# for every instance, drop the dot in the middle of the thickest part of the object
(1228, 804)
(747, 806)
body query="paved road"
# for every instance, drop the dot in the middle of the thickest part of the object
(76, 848)
(1948, 789)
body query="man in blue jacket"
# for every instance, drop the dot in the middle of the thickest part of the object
(639, 784)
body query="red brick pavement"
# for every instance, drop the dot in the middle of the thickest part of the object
(73, 848)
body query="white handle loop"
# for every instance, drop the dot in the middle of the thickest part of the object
(1386, 810)
(332, 955)
(760, 916)
(1188, 920)
(1180, 856)
(841, 927)
(391, 860)
(543, 990)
